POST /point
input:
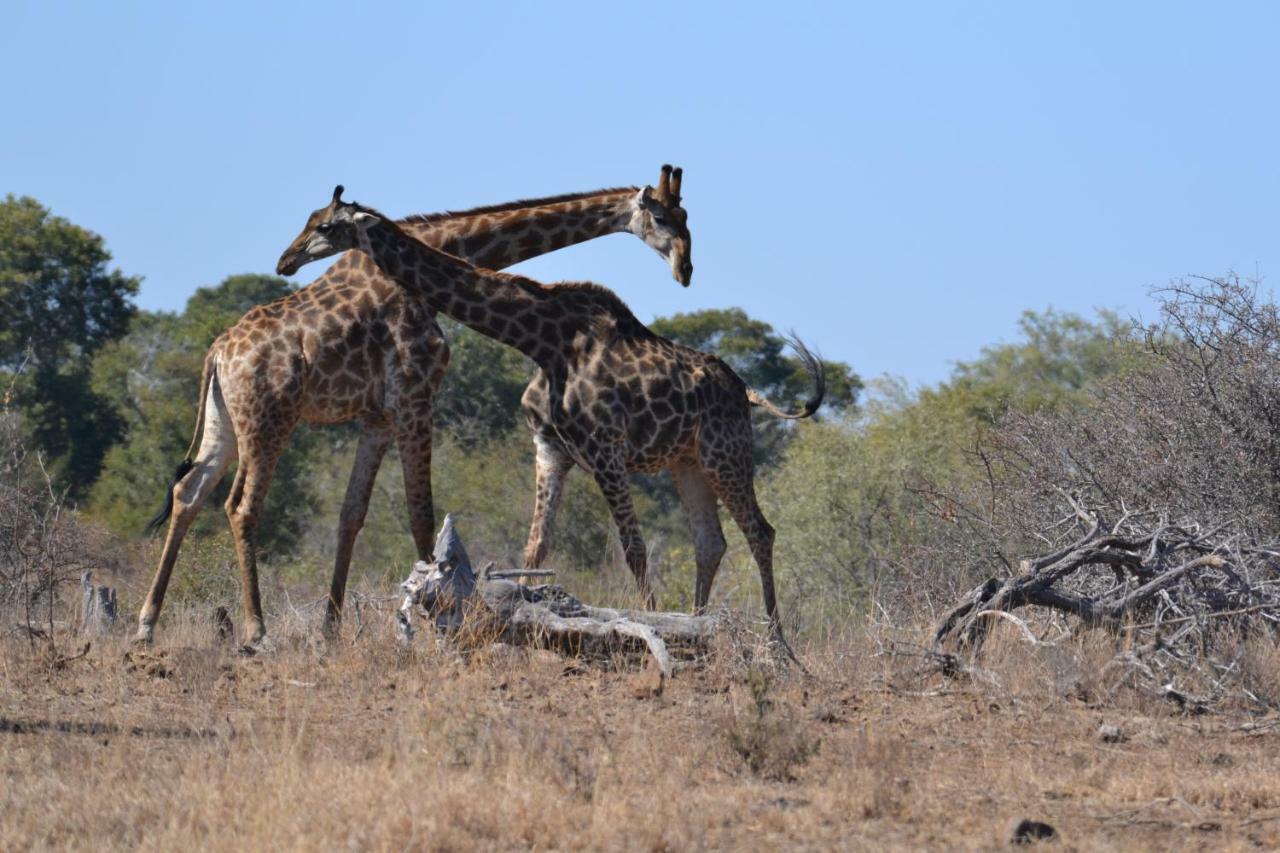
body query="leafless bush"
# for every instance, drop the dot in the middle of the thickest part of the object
(1193, 427)
(1154, 503)
(43, 548)
(772, 742)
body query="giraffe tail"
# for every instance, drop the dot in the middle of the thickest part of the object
(813, 366)
(185, 466)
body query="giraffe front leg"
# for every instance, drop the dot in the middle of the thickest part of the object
(259, 455)
(413, 440)
(553, 465)
(374, 440)
(611, 475)
(701, 506)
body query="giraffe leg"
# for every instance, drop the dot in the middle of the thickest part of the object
(217, 449)
(726, 460)
(258, 460)
(611, 475)
(374, 439)
(702, 508)
(553, 464)
(413, 440)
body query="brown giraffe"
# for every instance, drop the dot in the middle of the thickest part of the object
(351, 346)
(613, 397)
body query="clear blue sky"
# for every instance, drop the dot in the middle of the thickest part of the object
(896, 182)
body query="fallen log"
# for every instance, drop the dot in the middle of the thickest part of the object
(1187, 570)
(447, 593)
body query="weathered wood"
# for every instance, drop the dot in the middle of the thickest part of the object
(447, 592)
(97, 606)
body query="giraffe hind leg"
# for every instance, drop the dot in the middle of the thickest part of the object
(187, 496)
(726, 460)
(413, 440)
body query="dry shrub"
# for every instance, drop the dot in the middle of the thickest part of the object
(770, 738)
(1180, 449)
(45, 547)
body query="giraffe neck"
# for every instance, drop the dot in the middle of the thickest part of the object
(498, 237)
(507, 308)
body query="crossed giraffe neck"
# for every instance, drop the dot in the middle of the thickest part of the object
(513, 310)
(503, 235)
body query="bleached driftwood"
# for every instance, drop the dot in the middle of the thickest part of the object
(448, 593)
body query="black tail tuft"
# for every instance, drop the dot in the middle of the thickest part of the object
(812, 364)
(163, 515)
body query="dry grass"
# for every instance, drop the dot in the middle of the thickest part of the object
(367, 746)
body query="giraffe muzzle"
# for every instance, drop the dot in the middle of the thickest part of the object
(289, 263)
(685, 275)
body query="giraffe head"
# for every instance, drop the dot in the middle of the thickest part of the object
(660, 221)
(333, 228)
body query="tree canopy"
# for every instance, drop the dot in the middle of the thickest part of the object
(757, 353)
(59, 305)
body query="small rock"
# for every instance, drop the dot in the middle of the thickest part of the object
(1030, 831)
(1111, 734)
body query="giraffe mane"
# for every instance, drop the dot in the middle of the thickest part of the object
(607, 297)
(427, 218)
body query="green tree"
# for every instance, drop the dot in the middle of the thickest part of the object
(1060, 355)
(859, 504)
(757, 353)
(59, 305)
(480, 397)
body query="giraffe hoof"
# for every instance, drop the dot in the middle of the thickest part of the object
(260, 646)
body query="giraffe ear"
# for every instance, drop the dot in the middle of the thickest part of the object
(646, 194)
(364, 218)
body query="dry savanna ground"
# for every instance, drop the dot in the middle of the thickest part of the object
(366, 745)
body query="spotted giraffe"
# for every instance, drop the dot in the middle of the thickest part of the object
(613, 397)
(353, 345)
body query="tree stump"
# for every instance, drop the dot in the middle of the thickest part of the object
(97, 607)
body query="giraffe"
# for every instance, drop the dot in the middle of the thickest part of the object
(613, 397)
(352, 346)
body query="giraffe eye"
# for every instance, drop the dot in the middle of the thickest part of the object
(324, 227)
